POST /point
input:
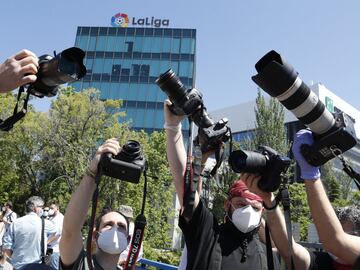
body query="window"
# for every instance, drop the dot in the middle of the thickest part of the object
(144, 70)
(107, 66)
(130, 46)
(92, 43)
(98, 65)
(135, 70)
(110, 46)
(116, 70)
(175, 46)
(185, 45)
(100, 44)
(166, 44)
(147, 44)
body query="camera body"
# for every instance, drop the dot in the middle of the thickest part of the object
(127, 165)
(65, 67)
(333, 134)
(189, 102)
(328, 145)
(266, 162)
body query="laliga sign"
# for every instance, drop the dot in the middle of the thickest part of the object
(122, 20)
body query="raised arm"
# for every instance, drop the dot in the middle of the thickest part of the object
(175, 151)
(276, 222)
(76, 211)
(331, 234)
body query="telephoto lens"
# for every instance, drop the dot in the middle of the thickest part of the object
(333, 134)
(185, 101)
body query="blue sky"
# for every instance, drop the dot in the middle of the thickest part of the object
(319, 38)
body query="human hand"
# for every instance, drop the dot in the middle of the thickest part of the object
(171, 119)
(251, 181)
(110, 146)
(308, 172)
(18, 70)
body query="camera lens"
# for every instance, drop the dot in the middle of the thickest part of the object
(172, 86)
(130, 151)
(280, 80)
(247, 161)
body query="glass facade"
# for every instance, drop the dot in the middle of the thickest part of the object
(123, 63)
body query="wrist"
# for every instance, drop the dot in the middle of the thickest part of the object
(172, 127)
(90, 172)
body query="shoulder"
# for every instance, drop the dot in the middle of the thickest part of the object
(79, 264)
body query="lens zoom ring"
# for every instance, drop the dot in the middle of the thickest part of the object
(314, 114)
(297, 98)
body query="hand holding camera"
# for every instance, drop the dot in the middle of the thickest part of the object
(110, 146)
(18, 70)
(304, 137)
(171, 119)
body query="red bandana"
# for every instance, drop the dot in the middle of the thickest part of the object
(239, 189)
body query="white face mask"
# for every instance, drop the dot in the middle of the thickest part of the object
(112, 241)
(51, 212)
(246, 218)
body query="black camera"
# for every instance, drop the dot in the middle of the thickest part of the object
(189, 102)
(127, 165)
(333, 134)
(266, 162)
(65, 67)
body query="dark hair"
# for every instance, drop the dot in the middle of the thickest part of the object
(10, 204)
(108, 210)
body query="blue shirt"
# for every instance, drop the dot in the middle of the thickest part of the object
(24, 236)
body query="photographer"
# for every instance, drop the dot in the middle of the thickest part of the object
(18, 70)
(232, 245)
(342, 244)
(112, 228)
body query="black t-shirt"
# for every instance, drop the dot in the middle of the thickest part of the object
(219, 247)
(80, 263)
(323, 261)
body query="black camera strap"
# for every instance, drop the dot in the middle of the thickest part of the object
(347, 168)
(7, 124)
(190, 186)
(269, 254)
(138, 235)
(94, 204)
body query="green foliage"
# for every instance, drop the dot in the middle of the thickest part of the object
(46, 154)
(300, 211)
(161, 255)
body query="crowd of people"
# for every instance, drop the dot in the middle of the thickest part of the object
(237, 243)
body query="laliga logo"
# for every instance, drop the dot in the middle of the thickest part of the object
(120, 19)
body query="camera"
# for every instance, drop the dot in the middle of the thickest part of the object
(333, 134)
(189, 102)
(266, 161)
(64, 67)
(127, 165)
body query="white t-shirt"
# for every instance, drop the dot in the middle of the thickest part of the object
(58, 222)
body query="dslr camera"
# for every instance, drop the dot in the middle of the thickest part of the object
(53, 71)
(266, 161)
(127, 165)
(333, 134)
(64, 67)
(189, 102)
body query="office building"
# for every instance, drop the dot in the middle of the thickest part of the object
(123, 63)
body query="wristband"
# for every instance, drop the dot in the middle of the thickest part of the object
(271, 208)
(172, 127)
(90, 173)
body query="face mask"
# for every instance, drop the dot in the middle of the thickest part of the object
(4, 209)
(51, 212)
(45, 214)
(112, 241)
(246, 218)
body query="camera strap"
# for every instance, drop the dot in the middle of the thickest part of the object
(7, 124)
(269, 254)
(350, 171)
(94, 204)
(189, 195)
(138, 235)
